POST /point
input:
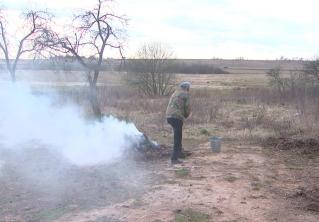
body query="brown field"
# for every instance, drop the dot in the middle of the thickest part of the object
(268, 169)
(75, 78)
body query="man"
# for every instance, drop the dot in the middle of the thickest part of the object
(178, 110)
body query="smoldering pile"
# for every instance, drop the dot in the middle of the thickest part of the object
(147, 150)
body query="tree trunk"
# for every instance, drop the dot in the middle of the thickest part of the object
(13, 75)
(93, 94)
(94, 102)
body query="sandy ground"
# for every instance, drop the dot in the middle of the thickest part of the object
(238, 184)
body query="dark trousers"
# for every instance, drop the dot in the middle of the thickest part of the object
(177, 125)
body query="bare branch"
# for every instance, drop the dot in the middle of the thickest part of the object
(94, 32)
(34, 23)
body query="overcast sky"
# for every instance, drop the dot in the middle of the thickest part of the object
(250, 29)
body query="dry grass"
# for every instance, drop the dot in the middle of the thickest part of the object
(225, 81)
(240, 107)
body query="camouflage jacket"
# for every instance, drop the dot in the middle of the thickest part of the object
(178, 106)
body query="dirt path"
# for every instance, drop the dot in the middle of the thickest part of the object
(235, 185)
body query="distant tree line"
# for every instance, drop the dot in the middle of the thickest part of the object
(180, 66)
(71, 64)
(196, 67)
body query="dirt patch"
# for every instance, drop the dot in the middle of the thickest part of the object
(304, 146)
(296, 171)
(230, 186)
(238, 184)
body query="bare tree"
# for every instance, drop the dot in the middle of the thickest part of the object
(92, 32)
(149, 71)
(277, 80)
(33, 24)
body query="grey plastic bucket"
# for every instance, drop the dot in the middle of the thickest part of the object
(215, 143)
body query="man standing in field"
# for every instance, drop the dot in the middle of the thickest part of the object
(178, 110)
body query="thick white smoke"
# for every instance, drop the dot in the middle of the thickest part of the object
(1, 166)
(26, 118)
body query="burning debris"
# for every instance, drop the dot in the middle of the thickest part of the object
(147, 149)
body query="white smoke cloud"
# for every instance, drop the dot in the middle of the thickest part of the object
(26, 118)
(1, 166)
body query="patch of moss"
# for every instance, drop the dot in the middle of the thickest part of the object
(52, 214)
(182, 172)
(191, 215)
(230, 178)
(256, 185)
(204, 131)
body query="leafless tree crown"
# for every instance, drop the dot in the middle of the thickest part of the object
(34, 23)
(92, 31)
(149, 71)
(90, 34)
